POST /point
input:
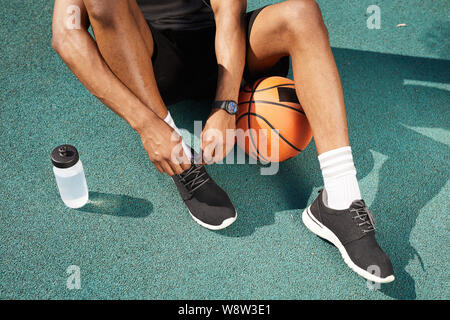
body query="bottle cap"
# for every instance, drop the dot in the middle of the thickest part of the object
(65, 156)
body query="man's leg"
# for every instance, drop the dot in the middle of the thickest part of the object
(296, 28)
(126, 44)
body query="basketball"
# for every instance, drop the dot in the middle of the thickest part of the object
(273, 124)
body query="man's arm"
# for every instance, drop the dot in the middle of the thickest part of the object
(230, 45)
(80, 52)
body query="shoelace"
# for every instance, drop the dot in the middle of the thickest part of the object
(365, 217)
(199, 178)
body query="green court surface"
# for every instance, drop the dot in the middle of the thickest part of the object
(136, 239)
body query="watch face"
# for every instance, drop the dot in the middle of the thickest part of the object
(232, 107)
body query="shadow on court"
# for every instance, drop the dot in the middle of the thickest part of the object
(387, 98)
(117, 205)
(436, 38)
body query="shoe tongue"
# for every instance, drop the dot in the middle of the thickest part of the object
(360, 204)
(357, 204)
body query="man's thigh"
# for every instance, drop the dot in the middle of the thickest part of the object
(266, 48)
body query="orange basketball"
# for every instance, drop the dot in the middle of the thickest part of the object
(279, 129)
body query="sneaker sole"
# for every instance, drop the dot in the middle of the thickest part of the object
(319, 229)
(223, 225)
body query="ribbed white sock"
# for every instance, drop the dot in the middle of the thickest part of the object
(339, 177)
(168, 119)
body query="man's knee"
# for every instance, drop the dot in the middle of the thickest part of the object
(304, 18)
(106, 12)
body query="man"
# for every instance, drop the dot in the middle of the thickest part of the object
(152, 53)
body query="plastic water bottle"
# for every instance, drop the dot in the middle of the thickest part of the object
(69, 175)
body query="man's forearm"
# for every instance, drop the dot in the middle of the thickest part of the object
(79, 51)
(230, 46)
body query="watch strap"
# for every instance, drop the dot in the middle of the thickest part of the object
(229, 106)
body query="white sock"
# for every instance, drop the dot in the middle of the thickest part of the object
(168, 119)
(339, 177)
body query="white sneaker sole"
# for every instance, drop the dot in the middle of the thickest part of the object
(223, 225)
(319, 229)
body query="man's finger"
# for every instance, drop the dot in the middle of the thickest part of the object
(167, 168)
(206, 139)
(208, 153)
(185, 165)
(185, 160)
(158, 167)
(176, 168)
(182, 160)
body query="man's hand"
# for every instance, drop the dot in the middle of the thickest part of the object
(218, 136)
(163, 146)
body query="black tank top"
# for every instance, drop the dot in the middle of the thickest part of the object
(177, 14)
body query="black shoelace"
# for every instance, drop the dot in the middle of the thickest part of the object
(363, 217)
(198, 178)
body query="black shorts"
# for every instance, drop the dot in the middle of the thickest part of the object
(185, 65)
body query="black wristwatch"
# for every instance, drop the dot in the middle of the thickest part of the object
(229, 106)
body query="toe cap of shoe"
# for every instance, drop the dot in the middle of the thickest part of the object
(367, 255)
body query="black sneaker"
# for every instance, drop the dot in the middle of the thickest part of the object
(352, 231)
(207, 203)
